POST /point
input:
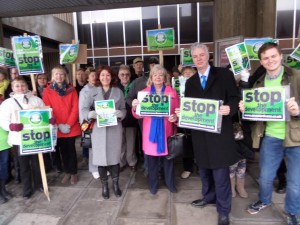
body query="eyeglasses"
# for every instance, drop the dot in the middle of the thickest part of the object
(124, 74)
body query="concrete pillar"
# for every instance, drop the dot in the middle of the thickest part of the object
(1, 34)
(249, 18)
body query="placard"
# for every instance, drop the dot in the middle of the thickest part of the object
(186, 57)
(296, 53)
(160, 39)
(238, 58)
(36, 135)
(200, 114)
(28, 54)
(153, 104)
(7, 58)
(68, 53)
(105, 110)
(176, 84)
(265, 104)
(253, 45)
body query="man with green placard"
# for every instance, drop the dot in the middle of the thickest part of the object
(214, 152)
(280, 139)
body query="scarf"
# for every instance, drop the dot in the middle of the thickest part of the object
(157, 128)
(61, 91)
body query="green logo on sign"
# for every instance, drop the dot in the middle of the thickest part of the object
(35, 118)
(160, 38)
(26, 44)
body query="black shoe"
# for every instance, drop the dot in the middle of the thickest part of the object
(292, 219)
(281, 188)
(200, 203)
(223, 220)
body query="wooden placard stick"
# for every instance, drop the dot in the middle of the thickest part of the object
(161, 53)
(74, 70)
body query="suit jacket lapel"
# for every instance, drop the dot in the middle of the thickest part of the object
(211, 78)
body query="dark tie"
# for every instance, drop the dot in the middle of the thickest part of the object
(203, 81)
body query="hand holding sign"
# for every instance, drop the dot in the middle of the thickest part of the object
(134, 104)
(224, 110)
(293, 107)
(241, 106)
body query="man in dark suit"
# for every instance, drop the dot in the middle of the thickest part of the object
(214, 153)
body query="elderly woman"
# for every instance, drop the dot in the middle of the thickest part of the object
(106, 141)
(156, 130)
(63, 100)
(92, 84)
(128, 155)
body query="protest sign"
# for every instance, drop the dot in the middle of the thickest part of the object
(7, 58)
(105, 110)
(36, 136)
(160, 39)
(296, 53)
(238, 58)
(291, 62)
(186, 57)
(253, 45)
(176, 85)
(200, 114)
(28, 54)
(153, 104)
(68, 53)
(265, 104)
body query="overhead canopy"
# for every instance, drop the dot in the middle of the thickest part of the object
(16, 8)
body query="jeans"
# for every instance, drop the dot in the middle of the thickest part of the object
(271, 154)
(4, 164)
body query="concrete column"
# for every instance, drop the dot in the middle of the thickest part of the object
(1, 34)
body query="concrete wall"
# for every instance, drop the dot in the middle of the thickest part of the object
(46, 26)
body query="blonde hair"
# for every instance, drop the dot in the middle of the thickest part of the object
(156, 68)
(61, 69)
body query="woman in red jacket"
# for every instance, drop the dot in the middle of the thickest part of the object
(63, 99)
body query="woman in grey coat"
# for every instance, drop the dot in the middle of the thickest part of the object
(106, 141)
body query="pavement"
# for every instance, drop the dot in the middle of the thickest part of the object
(82, 203)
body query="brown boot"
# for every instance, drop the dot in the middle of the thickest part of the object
(232, 181)
(240, 187)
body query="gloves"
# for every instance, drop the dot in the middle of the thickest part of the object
(92, 115)
(119, 113)
(245, 75)
(16, 127)
(52, 121)
(64, 128)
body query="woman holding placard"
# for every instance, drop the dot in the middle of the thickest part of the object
(156, 130)
(63, 100)
(106, 140)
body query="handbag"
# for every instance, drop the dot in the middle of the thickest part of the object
(87, 128)
(238, 130)
(177, 143)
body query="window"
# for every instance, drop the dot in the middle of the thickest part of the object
(84, 31)
(115, 34)
(168, 18)
(133, 33)
(149, 16)
(188, 23)
(99, 35)
(285, 21)
(206, 23)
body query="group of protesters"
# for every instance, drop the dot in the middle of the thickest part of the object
(220, 158)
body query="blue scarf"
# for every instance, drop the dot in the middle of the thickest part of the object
(157, 128)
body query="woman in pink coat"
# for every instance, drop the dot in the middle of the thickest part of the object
(156, 130)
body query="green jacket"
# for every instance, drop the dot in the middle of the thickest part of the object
(292, 137)
(3, 140)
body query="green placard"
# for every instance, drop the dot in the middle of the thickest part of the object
(105, 110)
(28, 54)
(176, 85)
(68, 53)
(265, 104)
(253, 45)
(200, 114)
(291, 62)
(186, 57)
(160, 39)
(7, 58)
(36, 135)
(238, 58)
(296, 53)
(153, 104)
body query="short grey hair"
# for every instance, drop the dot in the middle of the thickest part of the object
(198, 45)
